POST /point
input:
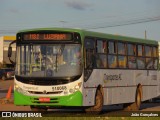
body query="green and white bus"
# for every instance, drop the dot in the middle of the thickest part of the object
(61, 67)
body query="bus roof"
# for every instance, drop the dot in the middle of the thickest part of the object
(85, 33)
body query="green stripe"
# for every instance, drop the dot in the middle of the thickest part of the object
(69, 100)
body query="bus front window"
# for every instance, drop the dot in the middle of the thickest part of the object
(58, 60)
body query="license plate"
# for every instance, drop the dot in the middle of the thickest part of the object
(44, 99)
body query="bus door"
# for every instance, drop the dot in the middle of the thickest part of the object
(89, 57)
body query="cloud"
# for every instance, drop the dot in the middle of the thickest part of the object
(78, 4)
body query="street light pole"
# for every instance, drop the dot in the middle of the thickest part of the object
(145, 34)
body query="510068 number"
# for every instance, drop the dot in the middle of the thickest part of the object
(58, 88)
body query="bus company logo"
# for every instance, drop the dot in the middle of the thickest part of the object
(138, 75)
(112, 77)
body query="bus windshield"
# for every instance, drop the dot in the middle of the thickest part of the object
(49, 60)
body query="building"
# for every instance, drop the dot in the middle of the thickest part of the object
(4, 44)
(159, 51)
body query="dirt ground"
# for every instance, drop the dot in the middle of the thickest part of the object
(12, 107)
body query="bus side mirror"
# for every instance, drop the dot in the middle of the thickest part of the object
(9, 51)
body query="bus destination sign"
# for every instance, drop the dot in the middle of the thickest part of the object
(48, 36)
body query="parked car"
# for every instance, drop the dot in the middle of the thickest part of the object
(6, 73)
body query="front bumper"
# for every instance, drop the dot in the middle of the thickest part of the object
(74, 99)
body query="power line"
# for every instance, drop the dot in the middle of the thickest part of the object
(100, 24)
(122, 23)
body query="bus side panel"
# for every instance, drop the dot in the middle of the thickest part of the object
(149, 82)
(119, 86)
(89, 96)
(149, 92)
(118, 95)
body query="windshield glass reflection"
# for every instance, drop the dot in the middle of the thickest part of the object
(60, 60)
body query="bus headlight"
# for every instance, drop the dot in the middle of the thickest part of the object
(75, 88)
(20, 90)
(16, 86)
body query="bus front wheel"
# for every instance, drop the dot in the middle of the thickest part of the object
(97, 108)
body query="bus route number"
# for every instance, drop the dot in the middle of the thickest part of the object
(34, 36)
(59, 88)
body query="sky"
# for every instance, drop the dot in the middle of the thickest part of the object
(120, 17)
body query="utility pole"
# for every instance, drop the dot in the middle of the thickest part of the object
(145, 34)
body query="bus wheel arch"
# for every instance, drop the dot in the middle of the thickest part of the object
(97, 108)
(101, 89)
(138, 98)
(140, 89)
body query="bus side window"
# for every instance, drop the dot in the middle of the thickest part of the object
(149, 60)
(122, 59)
(132, 63)
(140, 58)
(149, 63)
(112, 48)
(112, 61)
(148, 51)
(154, 52)
(112, 57)
(121, 48)
(155, 63)
(155, 57)
(141, 63)
(101, 46)
(131, 51)
(101, 56)
(140, 50)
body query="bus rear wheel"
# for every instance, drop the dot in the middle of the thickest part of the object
(136, 105)
(97, 108)
(35, 108)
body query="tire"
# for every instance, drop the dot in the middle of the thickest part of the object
(136, 105)
(34, 108)
(97, 108)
